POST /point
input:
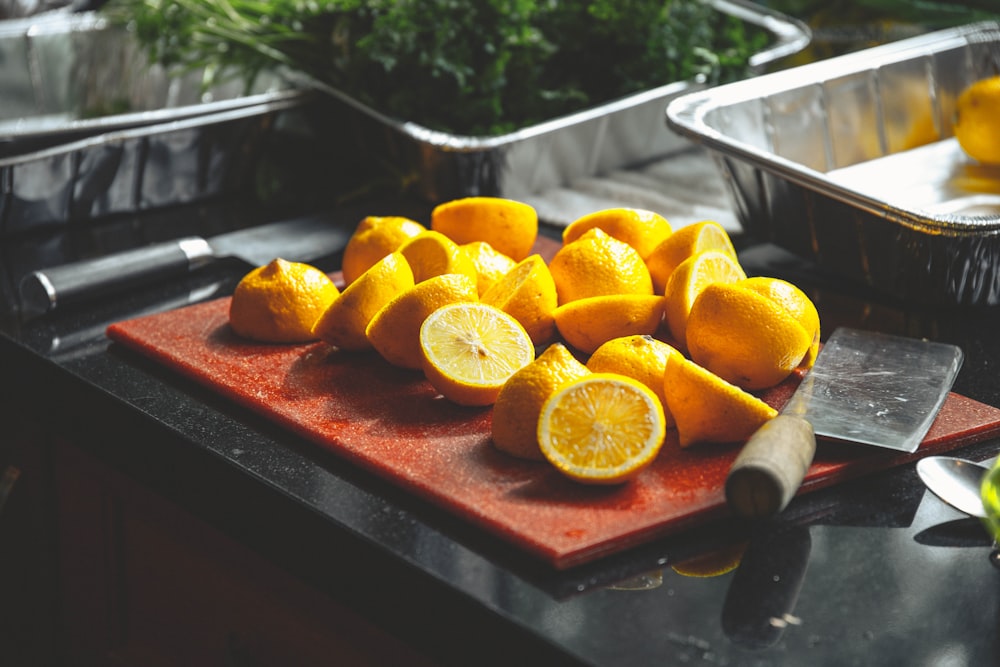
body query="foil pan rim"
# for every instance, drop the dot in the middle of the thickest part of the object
(687, 116)
(791, 36)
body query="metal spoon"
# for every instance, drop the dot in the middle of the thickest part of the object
(955, 481)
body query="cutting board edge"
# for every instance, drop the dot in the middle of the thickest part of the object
(557, 558)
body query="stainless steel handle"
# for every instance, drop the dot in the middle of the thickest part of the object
(42, 291)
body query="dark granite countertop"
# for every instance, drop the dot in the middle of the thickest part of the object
(847, 575)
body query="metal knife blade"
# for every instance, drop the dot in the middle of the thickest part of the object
(867, 388)
(301, 239)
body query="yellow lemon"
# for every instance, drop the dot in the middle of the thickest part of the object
(796, 302)
(641, 229)
(603, 428)
(514, 428)
(588, 323)
(490, 264)
(692, 276)
(471, 349)
(706, 408)
(641, 358)
(280, 302)
(597, 264)
(528, 293)
(374, 238)
(345, 321)
(744, 337)
(977, 120)
(510, 226)
(394, 331)
(432, 254)
(683, 243)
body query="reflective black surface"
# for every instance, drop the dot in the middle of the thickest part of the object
(867, 572)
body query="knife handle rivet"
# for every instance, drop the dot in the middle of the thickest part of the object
(197, 250)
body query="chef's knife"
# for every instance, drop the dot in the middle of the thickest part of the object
(866, 388)
(302, 240)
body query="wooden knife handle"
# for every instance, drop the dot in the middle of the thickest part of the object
(770, 468)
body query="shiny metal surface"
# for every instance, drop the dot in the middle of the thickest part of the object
(300, 240)
(955, 481)
(875, 591)
(627, 131)
(64, 76)
(135, 169)
(876, 389)
(851, 162)
(56, 166)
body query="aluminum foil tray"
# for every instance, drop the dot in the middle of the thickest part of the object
(139, 168)
(851, 162)
(64, 76)
(624, 132)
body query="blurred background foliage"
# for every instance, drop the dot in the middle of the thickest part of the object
(841, 26)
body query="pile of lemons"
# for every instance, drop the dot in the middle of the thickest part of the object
(630, 329)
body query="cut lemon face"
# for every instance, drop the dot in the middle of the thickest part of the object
(394, 331)
(490, 264)
(642, 358)
(688, 280)
(515, 413)
(706, 408)
(603, 428)
(686, 242)
(471, 349)
(528, 293)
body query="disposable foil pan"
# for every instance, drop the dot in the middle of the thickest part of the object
(64, 76)
(852, 162)
(140, 168)
(624, 132)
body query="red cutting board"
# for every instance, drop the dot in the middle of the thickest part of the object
(390, 421)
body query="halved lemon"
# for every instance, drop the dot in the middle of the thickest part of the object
(686, 242)
(706, 408)
(345, 321)
(470, 349)
(588, 323)
(688, 280)
(602, 428)
(431, 254)
(394, 331)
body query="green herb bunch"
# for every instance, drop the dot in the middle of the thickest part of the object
(462, 66)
